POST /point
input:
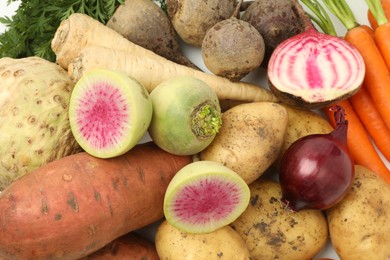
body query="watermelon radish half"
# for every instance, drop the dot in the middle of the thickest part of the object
(205, 196)
(109, 112)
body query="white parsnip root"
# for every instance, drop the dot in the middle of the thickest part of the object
(82, 44)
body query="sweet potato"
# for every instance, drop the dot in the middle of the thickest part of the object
(76, 205)
(131, 246)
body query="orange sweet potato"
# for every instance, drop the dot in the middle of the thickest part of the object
(76, 205)
(131, 246)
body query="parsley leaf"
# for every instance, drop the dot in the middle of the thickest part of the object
(32, 27)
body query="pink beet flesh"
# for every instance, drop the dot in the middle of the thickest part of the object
(206, 201)
(102, 115)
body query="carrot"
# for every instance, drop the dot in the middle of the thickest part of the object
(80, 31)
(131, 246)
(372, 121)
(382, 31)
(76, 205)
(359, 143)
(377, 77)
(371, 19)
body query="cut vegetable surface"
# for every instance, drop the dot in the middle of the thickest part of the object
(205, 196)
(109, 112)
(314, 69)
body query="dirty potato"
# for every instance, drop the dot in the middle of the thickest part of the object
(359, 226)
(250, 138)
(271, 231)
(224, 243)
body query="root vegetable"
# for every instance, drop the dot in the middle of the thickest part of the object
(192, 18)
(144, 23)
(205, 196)
(232, 48)
(271, 231)
(109, 112)
(186, 115)
(359, 225)
(276, 21)
(250, 138)
(34, 122)
(224, 243)
(76, 205)
(145, 66)
(131, 246)
(150, 73)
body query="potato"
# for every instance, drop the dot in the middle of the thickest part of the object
(224, 243)
(302, 122)
(359, 226)
(271, 231)
(250, 138)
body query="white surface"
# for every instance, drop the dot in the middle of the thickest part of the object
(359, 8)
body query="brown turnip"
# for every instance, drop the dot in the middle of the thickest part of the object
(232, 48)
(144, 23)
(192, 18)
(276, 21)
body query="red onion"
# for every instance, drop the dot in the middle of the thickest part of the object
(317, 170)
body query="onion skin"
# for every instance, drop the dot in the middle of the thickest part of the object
(316, 170)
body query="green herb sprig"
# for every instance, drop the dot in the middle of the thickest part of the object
(31, 29)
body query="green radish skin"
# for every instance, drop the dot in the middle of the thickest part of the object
(204, 196)
(109, 112)
(186, 115)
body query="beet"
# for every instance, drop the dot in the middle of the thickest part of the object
(276, 21)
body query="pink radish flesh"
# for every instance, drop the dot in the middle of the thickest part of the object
(103, 115)
(206, 200)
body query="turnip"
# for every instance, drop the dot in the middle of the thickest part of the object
(276, 20)
(314, 69)
(186, 115)
(144, 23)
(232, 48)
(192, 18)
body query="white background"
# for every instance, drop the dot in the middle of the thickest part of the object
(359, 8)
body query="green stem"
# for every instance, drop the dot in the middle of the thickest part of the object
(377, 11)
(343, 12)
(320, 17)
(206, 120)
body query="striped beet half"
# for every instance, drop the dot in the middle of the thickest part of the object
(314, 70)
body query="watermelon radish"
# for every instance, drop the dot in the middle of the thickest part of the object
(186, 115)
(109, 112)
(205, 196)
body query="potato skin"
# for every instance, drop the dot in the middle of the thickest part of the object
(359, 226)
(271, 231)
(223, 243)
(76, 205)
(250, 138)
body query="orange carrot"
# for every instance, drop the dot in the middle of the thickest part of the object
(371, 19)
(359, 143)
(382, 31)
(377, 78)
(371, 120)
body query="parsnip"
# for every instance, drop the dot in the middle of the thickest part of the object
(82, 43)
(150, 72)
